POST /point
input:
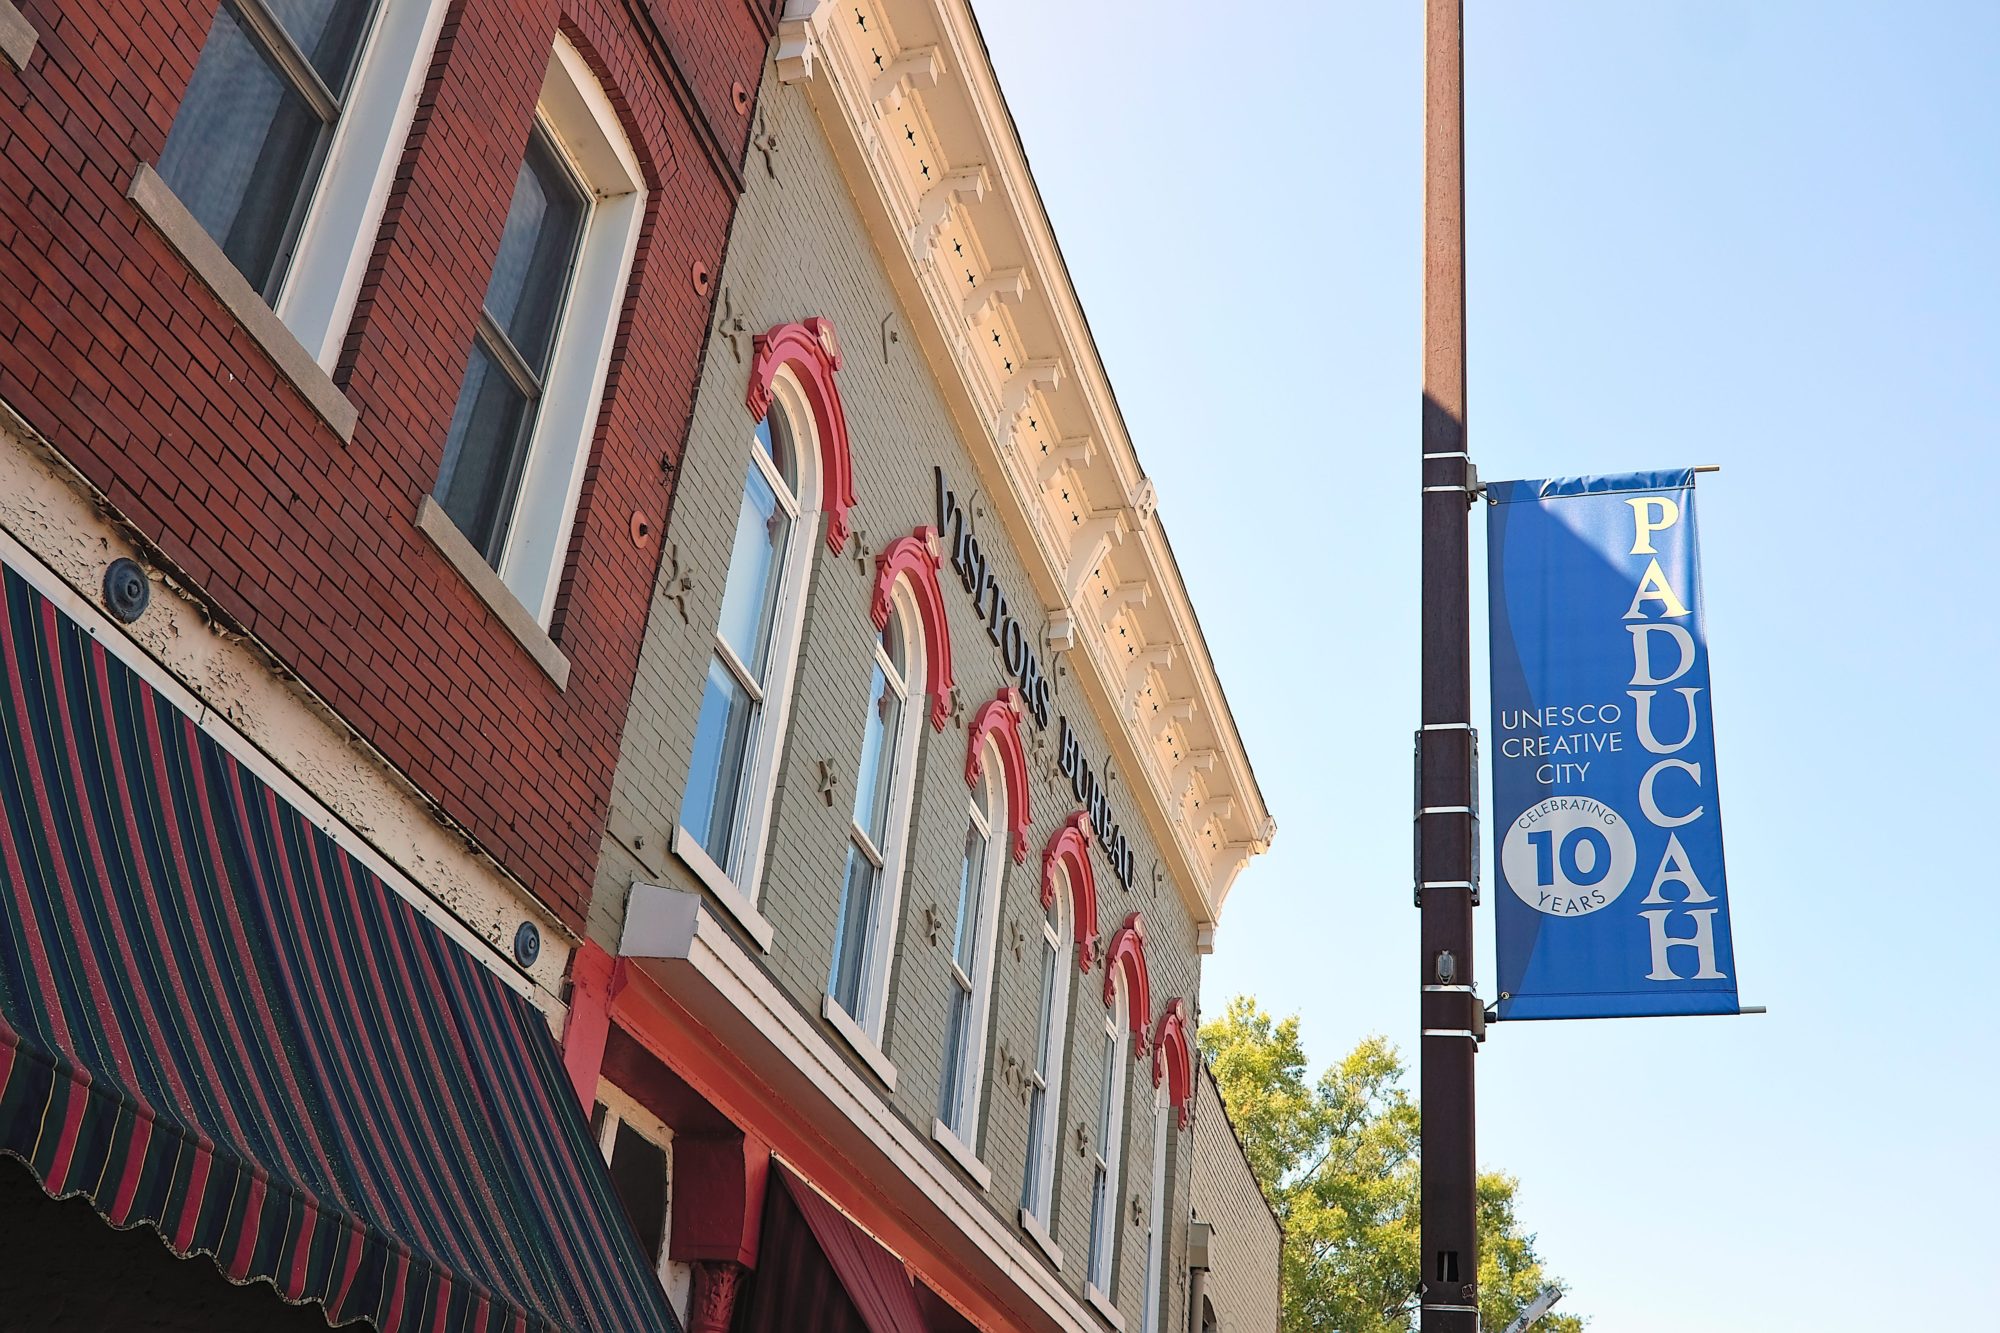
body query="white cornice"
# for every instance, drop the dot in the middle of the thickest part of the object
(909, 97)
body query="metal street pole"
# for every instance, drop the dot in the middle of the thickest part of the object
(1447, 826)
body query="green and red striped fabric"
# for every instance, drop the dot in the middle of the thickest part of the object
(215, 1020)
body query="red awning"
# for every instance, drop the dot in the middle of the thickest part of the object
(817, 1272)
(215, 1020)
(875, 1280)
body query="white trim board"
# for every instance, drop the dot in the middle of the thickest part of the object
(269, 725)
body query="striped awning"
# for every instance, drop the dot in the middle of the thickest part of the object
(215, 1020)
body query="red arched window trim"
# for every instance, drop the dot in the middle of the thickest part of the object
(1070, 849)
(1000, 718)
(813, 353)
(1173, 1060)
(915, 558)
(1128, 953)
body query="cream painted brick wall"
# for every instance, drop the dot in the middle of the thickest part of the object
(798, 250)
(1245, 1251)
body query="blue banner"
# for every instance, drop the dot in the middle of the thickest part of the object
(1607, 827)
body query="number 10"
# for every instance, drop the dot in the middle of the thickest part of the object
(1572, 868)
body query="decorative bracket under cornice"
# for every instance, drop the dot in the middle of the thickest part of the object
(934, 209)
(1062, 631)
(1159, 657)
(917, 67)
(1076, 452)
(1144, 500)
(1044, 375)
(1007, 284)
(1137, 593)
(796, 43)
(1104, 528)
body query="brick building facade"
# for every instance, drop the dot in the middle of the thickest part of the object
(280, 482)
(911, 543)
(1240, 1283)
(393, 397)
(254, 255)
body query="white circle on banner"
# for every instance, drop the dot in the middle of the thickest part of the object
(1568, 856)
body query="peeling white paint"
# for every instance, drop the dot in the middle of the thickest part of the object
(63, 537)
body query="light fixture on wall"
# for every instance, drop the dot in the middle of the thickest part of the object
(127, 591)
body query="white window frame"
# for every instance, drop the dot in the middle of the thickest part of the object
(1100, 1284)
(344, 212)
(1041, 1182)
(619, 1108)
(584, 127)
(993, 822)
(741, 892)
(1156, 1228)
(891, 858)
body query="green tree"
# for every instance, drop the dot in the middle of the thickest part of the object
(1338, 1157)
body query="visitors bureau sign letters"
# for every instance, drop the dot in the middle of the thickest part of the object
(1609, 845)
(1017, 654)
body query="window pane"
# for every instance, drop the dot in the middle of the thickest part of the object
(1031, 1185)
(894, 649)
(951, 1097)
(850, 940)
(721, 744)
(242, 152)
(774, 437)
(328, 32)
(750, 594)
(531, 272)
(982, 791)
(1047, 1018)
(1104, 1096)
(971, 890)
(878, 760)
(483, 453)
(639, 1174)
(1099, 1206)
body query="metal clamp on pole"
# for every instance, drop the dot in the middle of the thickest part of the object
(1447, 472)
(1449, 747)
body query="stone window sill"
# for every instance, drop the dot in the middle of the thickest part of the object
(435, 524)
(716, 880)
(179, 228)
(17, 36)
(856, 1037)
(1033, 1226)
(1102, 1304)
(942, 1135)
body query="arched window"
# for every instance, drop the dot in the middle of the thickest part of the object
(858, 978)
(972, 953)
(1156, 1219)
(1045, 1073)
(725, 808)
(1107, 1145)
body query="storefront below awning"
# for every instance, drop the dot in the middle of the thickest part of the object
(820, 1273)
(686, 988)
(215, 1020)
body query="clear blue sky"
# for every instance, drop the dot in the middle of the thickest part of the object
(1757, 233)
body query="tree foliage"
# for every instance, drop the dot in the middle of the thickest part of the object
(1338, 1157)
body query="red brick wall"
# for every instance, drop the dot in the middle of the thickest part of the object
(116, 353)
